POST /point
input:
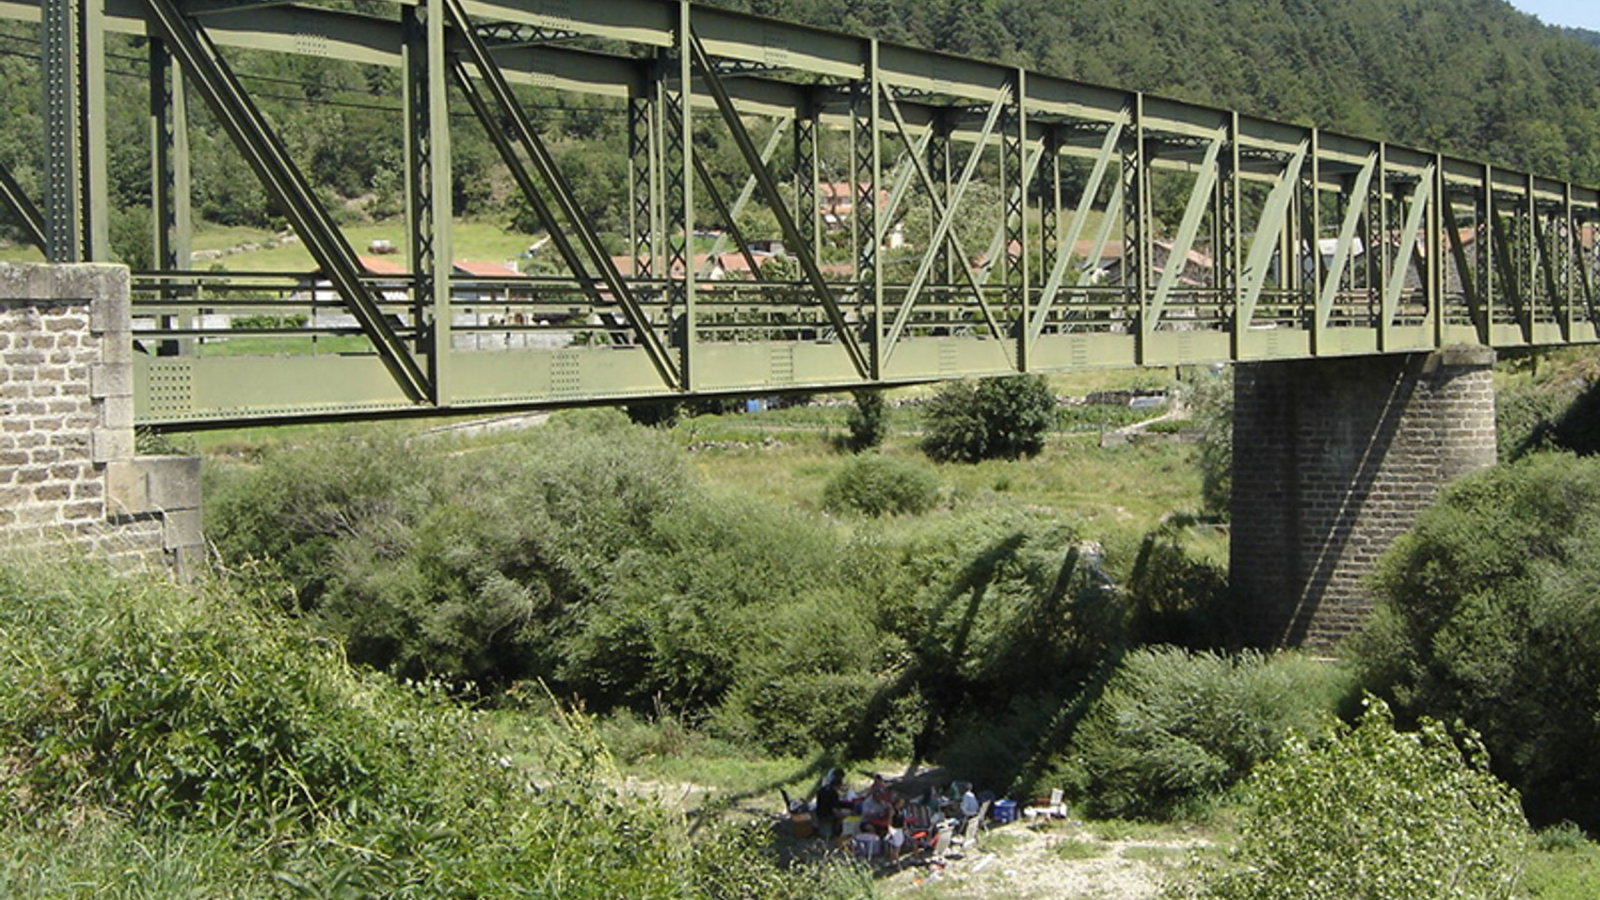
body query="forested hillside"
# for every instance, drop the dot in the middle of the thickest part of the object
(1471, 77)
(1474, 77)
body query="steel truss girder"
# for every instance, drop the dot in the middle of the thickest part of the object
(1064, 255)
(730, 213)
(212, 78)
(1532, 280)
(544, 163)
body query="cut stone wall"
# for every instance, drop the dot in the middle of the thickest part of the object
(1333, 460)
(68, 472)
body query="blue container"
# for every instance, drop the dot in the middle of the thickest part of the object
(1004, 811)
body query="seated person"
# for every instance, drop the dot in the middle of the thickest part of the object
(878, 807)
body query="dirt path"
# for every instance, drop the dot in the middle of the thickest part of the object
(1055, 862)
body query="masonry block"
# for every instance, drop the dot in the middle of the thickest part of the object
(110, 380)
(181, 528)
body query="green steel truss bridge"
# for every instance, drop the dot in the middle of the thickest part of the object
(1273, 241)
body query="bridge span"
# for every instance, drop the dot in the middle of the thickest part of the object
(928, 217)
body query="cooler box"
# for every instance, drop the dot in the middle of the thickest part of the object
(1005, 811)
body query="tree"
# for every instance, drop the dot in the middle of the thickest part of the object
(1373, 814)
(1489, 612)
(996, 418)
(868, 420)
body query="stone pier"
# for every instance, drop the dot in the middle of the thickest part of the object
(69, 473)
(1334, 459)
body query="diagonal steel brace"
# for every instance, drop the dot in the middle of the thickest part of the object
(769, 188)
(943, 231)
(545, 164)
(27, 215)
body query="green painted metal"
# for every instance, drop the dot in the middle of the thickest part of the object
(211, 78)
(1064, 255)
(27, 215)
(731, 212)
(1404, 256)
(1402, 273)
(769, 188)
(63, 160)
(1274, 215)
(942, 233)
(1200, 197)
(527, 137)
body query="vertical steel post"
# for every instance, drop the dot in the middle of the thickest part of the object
(63, 177)
(1225, 235)
(1049, 206)
(169, 161)
(685, 138)
(807, 173)
(1310, 236)
(428, 187)
(1136, 229)
(94, 140)
(867, 172)
(1014, 194)
(642, 212)
(1436, 251)
(1486, 251)
(1567, 242)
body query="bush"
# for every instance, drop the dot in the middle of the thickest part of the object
(1373, 814)
(880, 485)
(1174, 598)
(998, 617)
(995, 418)
(1489, 612)
(1174, 728)
(163, 744)
(868, 420)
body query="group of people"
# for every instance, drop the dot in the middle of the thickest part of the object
(877, 818)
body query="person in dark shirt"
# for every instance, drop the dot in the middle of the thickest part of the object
(829, 804)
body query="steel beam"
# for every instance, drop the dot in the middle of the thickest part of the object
(943, 232)
(730, 212)
(25, 213)
(1080, 216)
(1274, 214)
(1405, 256)
(1200, 196)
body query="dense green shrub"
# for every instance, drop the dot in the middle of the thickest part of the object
(1373, 814)
(998, 619)
(1174, 728)
(158, 743)
(993, 418)
(1490, 613)
(880, 485)
(868, 421)
(1176, 598)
